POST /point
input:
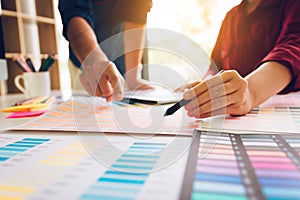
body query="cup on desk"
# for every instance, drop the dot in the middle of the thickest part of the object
(35, 84)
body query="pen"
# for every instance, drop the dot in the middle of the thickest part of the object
(180, 103)
(29, 63)
(36, 100)
(18, 103)
(26, 108)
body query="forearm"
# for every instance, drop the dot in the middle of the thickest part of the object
(82, 39)
(133, 45)
(269, 79)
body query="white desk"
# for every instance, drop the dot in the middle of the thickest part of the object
(8, 99)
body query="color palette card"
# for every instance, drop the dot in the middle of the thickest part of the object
(93, 166)
(232, 166)
(93, 114)
(280, 114)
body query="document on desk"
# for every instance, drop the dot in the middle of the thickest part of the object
(279, 114)
(93, 114)
(96, 166)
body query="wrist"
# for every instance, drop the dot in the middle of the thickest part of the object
(96, 58)
(251, 98)
(134, 73)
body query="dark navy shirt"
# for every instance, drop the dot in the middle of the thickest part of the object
(106, 17)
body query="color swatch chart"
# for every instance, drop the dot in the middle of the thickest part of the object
(231, 166)
(95, 115)
(280, 114)
(10, 150)
(133, 167)
(97, 166)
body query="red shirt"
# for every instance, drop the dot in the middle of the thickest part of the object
(269, 33)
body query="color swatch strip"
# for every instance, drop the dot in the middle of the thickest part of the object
(127, 175)
(230, 166)
(13, 149)
(275, 164)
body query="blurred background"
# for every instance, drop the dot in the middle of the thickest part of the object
(197, 20)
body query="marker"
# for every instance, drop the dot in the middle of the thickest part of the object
(47, 64)
(24, 63)
(180, 103)
(23, 66)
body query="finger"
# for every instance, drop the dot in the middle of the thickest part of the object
(195, 91)
(116, 84)
(233, 109)
(220, 111)
(193, 84)
(98, 92)
(105, 86)
(209, 106)
(109, 98)
(235, 98)
(211, 93)
(210, 83)
(145, 87)
(187, 86)
(202, 87)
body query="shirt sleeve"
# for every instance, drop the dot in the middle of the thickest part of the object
(75, 8)
(287, 48)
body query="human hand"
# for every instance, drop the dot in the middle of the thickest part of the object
(186, 87)
(226, 93)
(102, 78)
(135, 83)
(138, 84)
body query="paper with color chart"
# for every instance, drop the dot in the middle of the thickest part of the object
(93, 114)
(279, 114)
(233, 166)
(94, 166)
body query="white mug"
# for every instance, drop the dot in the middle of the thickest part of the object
(35, 84)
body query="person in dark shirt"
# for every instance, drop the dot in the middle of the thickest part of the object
(258, 46)
(88, 23)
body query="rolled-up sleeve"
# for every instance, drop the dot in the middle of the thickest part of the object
(287, 48)
(75, 8)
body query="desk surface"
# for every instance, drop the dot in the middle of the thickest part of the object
(8, 99)
(67, 165)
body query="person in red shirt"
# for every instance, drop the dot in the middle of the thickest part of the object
(258, 46)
